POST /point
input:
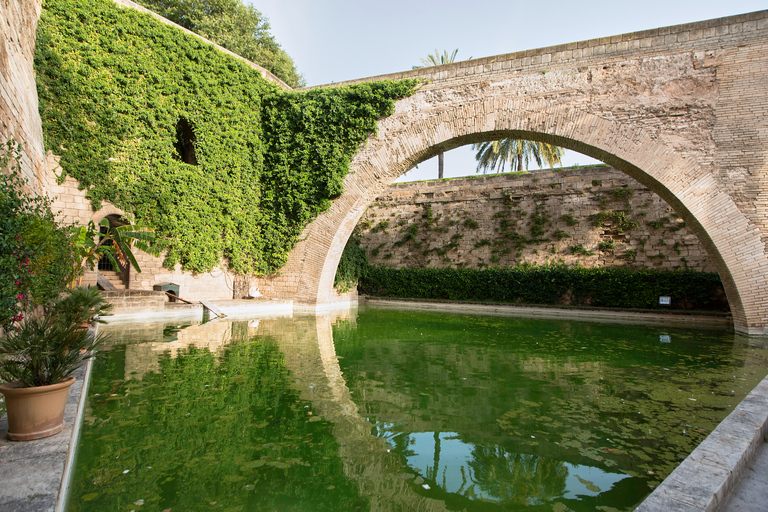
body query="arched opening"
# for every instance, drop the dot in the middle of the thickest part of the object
(109, 276)
(689, 187)
(587, 216)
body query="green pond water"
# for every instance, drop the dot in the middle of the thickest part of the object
(379, 409)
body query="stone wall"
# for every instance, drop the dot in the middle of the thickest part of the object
(19, 118)
(594, 216)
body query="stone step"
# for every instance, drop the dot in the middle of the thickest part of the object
(113, 277)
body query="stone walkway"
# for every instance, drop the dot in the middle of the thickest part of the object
(751, 493)
(31, 473)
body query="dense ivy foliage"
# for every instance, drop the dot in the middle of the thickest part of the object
(352, 266)
(191, 142)
(235, 26)
(617, 287)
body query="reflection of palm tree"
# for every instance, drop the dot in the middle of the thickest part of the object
(518, 152)
(510, 476)
(431, 473)
(394, 435)
(436, 60)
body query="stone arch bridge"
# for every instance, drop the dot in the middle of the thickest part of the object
(682, 109)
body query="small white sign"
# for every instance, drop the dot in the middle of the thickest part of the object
(665, 300)
(665, 338)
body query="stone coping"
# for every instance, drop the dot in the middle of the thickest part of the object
(702, 319)
(704, 479)
(35, 475)
(232, 308)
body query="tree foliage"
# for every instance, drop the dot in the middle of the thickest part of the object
(115, 243)
(125, 99)
(435, 59)
(36, 259)
(237, 27)
(517, 152)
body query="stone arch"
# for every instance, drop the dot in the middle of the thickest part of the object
(118, 277)
(106, 211)
(414, 134)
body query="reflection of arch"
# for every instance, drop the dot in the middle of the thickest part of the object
(405, 139)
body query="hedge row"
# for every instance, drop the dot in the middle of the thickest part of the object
(558, 284)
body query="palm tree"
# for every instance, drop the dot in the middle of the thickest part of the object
(436, 60)
(518, 152)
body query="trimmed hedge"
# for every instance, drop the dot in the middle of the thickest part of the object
(617, 287)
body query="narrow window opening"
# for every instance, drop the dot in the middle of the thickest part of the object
(185, 142)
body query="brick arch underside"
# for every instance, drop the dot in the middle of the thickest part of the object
(732, 242)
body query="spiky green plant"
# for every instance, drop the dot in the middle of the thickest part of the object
(44, 351)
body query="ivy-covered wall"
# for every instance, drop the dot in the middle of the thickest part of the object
(192, 142)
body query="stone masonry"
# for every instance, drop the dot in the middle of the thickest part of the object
(679, 109)
(587, 216)
(19, 118)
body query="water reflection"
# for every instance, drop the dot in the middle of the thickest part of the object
(398, 411)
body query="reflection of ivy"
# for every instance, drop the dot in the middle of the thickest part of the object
(114, 87)
(205, 433)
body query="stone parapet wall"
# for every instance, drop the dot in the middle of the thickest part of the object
(124, 301)
(592, 217)
(730, 31)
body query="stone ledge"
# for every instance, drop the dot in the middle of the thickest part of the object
(35, 473)
(704, 479)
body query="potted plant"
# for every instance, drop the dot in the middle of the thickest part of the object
(37, 360)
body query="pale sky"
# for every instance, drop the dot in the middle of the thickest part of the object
(337, 40)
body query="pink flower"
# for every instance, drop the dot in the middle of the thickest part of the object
(20, 296)
(17, 283)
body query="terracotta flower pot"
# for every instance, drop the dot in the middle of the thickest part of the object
(34, 413)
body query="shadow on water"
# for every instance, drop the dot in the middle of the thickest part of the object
(394, 410)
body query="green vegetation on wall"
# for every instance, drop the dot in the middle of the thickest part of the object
(352, 266)
(191, 142)
(618, 287)
(237, 27)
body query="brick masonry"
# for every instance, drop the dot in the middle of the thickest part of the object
(540, 217)
(680, 109)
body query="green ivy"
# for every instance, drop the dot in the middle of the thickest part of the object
(114, 84)
(352, 266)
